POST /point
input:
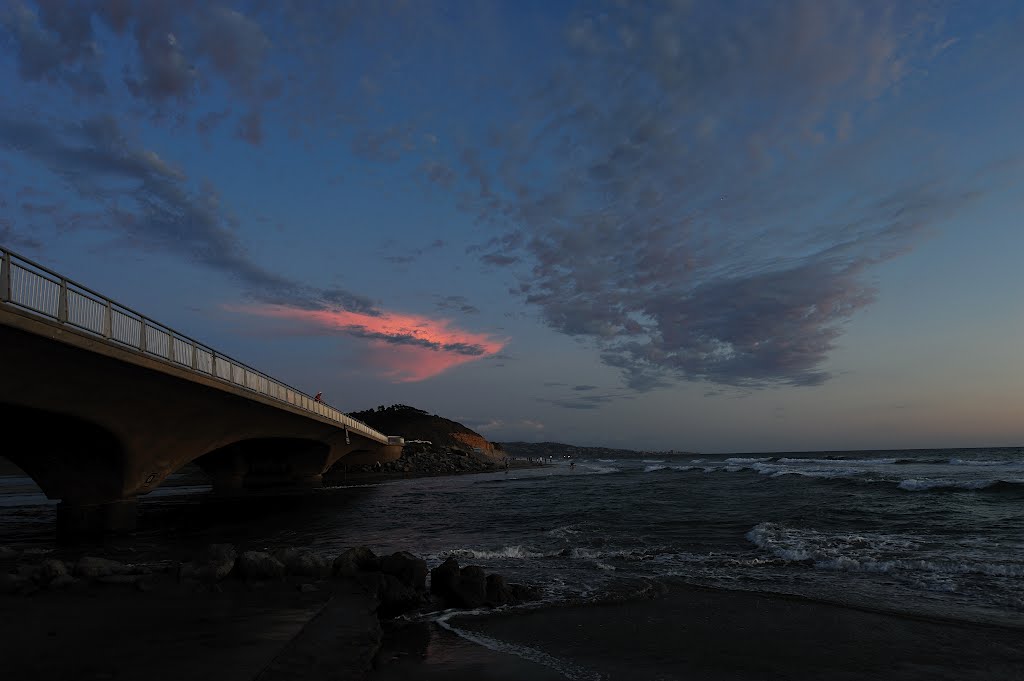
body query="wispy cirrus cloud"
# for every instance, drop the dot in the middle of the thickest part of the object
(401, 347)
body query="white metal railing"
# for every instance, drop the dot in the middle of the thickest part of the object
(32, 287)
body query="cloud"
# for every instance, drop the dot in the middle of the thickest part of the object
(584, 402)
(413, 255)
(494, 425)
(56, 45)
(402, 347)
(151, 205)
(172, 52)
(456, 304)
(697, 188)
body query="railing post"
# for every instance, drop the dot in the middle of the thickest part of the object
(108, 321)
(213, 363)
(142, 334)
(195, 357)
(5, 277)
(62, 302)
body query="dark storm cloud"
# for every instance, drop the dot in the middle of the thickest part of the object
(149, 204)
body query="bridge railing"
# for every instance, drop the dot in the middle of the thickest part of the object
(31, 286)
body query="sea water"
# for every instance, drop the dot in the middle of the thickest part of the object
(926, 532)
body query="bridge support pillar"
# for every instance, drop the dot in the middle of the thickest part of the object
(75, 519)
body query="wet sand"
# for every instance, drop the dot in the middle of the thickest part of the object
(722, 635)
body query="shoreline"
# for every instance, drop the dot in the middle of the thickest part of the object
(309, 628)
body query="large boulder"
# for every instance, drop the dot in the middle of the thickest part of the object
(497, 592)
(49, 570)
(303, 563)
(215, 564)
(12, 583)
(393, 596)
(353, 561)
(410, 570)
(444, 578)
(471, 589)
(259, 565)
(92, 567)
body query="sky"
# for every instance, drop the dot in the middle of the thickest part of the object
(695, 225)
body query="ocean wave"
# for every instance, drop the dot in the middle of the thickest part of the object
(844, 462)
(653, 460)
(744, 460)
(991, 484)
(873, 553)
(591, 469)
(653, 468)
(517, 551)
(982, 462)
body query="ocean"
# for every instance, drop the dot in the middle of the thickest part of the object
(925, 533)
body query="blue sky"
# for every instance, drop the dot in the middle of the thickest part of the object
(715, 226)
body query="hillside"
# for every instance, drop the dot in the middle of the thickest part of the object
(416, 424)
(558, 450)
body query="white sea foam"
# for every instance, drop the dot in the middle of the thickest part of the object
(982, 462)
(883, 553)
(652, 468)
(837, 462)
(564, 667)
(517, 551)
(598, 470)
(915, 485)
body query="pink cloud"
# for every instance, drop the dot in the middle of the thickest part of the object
(403, 347)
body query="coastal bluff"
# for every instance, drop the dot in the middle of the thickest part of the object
(419, 427)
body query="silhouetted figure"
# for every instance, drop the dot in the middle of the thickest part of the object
(318, 396)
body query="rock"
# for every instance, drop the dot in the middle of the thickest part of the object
(393, 596)
(130, 580)
(305, 564)
(522, 593)
(353, 561)
(471, 590)
(91, 567)
(216, 564)
(62, 581)
(308, 588)
(10, 584)
(49, 570)
(409, 569)
(497, 591)
(444, 578)
(259, 565)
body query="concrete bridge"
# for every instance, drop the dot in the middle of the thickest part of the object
(99, 404)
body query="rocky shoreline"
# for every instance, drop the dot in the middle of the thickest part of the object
(354, 592)
(423, 459)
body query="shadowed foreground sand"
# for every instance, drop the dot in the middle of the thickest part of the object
(279, 633)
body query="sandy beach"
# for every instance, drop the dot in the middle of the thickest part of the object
(277, 632)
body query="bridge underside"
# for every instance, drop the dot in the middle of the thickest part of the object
(100, 426)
